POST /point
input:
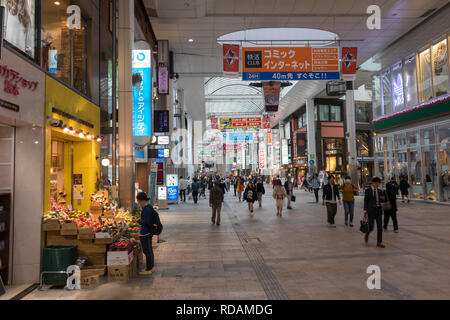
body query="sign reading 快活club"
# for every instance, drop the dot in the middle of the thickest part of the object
(290, 63)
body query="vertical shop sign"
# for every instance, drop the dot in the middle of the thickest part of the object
(349, 61)
(214, 123)
(163, 67)
(300, 146)
(262, 159)
(161, 120)
(172, 187)
(230, 60)
(142, 94)
(284, 152)
(160, 173)
(271, 95)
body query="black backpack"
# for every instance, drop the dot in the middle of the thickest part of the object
(157, 226)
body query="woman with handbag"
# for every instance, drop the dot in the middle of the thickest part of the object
(250, 196)
(279, 193)
(390, 210)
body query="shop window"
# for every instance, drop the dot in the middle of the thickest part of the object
(443, 132)
(376, 96)
(411, 80)
(431, 178)
(398, 101)
(379, 164)
(363, 112)
(20, 20)
(428, 136)
(363, 144)
(304, 119)
(324, 112)
(415, 164)
(316, 113)
(440, 68)
(425, 81)
(64, 47)
(400, 141)
(387, 92)
(335, 113)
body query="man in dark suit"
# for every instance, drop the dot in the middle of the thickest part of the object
(373, 198)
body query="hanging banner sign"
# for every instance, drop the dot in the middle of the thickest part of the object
(230, 60)
(161, 120)
(266, 123)
(349, 62)
(290, 63)
(142, 94)
(262, 159)
(271, 95)
(238, 136)
(240, 124)
(214, 123)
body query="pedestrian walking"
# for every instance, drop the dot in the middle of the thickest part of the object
(183, 186)
(315, 182)
(250, 195)
(228, 183)
(348, 199)
(260, 191)
(391, 193)
(329, 198)
(373, 199)
(195, 187)
(404, 188)
(288, 185)
(240, 188)
(279, 194)
(215, 202)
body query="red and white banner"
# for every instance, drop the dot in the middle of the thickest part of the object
(230, 60)
(214, 123)
(349, 63)
(266, 123)
(262, 159)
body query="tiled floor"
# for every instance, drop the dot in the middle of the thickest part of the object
(293, 257)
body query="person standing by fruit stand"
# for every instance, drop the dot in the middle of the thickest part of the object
(145, 234)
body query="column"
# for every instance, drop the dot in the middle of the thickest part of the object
(311, 136)
(351, 131)
(125, 143)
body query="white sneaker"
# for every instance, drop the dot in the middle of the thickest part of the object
(395, 231)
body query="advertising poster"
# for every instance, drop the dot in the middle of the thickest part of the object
(20, 21)
(271, 95)
(266, 123)
(78, 192)
(53, 61)
(162, 193)
(284, 152)
(300, 144)
(214, 123)
(142, 93)
(161, 120)
(349, 63)
(262, 159)
(290, 63)
(240, 124)
(172, 187)
(230, 60)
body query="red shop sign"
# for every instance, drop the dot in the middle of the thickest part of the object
(14, 81)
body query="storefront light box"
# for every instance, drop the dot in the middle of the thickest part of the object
(142, 94)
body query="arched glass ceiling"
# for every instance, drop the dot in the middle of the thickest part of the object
(293, 37)
(233, 96)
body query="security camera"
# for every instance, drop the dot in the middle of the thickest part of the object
(55, 122)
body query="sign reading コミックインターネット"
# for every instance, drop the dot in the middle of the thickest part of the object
(290, 63)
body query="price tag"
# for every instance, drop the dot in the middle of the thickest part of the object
(101, 221)
(115, 223)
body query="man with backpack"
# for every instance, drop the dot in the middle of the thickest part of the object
(150, 225)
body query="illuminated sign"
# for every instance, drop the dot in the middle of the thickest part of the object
(163, 140)
(290, 63)
(142, 93)
(172, 187)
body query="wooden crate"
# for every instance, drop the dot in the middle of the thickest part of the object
(88, 247)
(69, 229)
(96, 259)
(51, 225)
(54, 238)
(89, 282)
(93, 270)
(86, 233)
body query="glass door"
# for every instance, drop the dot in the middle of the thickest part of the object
(6, 196)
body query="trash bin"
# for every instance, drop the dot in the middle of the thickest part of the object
(57, 258)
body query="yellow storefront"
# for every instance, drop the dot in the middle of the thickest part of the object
(72, 147)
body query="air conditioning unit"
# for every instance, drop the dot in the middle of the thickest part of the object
(336, 88)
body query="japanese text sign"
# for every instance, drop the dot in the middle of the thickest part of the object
(142, 94)
(290, 63)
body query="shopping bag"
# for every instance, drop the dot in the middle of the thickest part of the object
(293, 198)
(364, 228)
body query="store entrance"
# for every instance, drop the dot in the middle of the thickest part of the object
(6, 198)
(61, 173)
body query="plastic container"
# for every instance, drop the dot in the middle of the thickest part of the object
(58, 258)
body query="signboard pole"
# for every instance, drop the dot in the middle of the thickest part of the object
(2, 22)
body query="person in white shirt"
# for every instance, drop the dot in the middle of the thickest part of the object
(183, 185)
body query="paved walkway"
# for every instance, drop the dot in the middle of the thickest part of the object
(293, 257)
